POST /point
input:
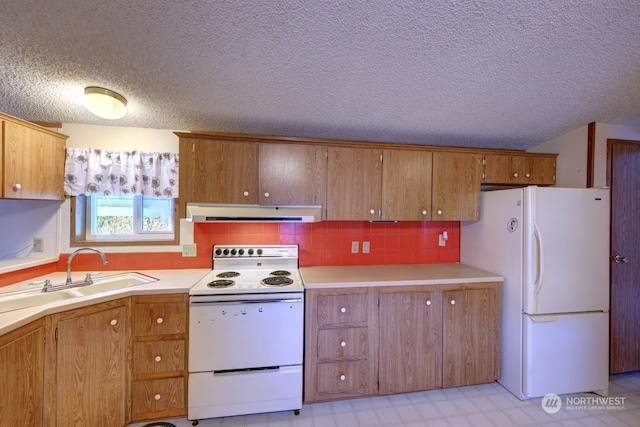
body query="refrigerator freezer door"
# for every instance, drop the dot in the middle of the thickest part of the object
(566, 245)
(566, 353)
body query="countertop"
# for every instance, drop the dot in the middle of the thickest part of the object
(393, 275)
(169, 281)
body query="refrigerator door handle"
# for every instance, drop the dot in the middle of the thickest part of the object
(537, 285)
(543, 318)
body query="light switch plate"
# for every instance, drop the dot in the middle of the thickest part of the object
(189, 250)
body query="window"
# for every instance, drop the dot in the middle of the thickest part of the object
(113, 220)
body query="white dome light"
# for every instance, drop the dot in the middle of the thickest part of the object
(105, 103)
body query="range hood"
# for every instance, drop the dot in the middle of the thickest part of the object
(211, 212)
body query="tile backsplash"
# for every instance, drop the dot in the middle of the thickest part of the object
(322, 243)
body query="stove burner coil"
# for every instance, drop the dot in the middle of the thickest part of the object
(221, 283)
(227, 274)
(276, 281)
(280, 273)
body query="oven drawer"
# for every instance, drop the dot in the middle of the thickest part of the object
(162, 318)
(152, 357)
(341, 309)
(164, 397)
(342, 342)
(342, 379)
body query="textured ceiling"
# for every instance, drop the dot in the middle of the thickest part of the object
(481, 73)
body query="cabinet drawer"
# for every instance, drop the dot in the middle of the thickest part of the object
(158, 396)
(152, 357)
(343, 342)
(160, 319)
(342, 378)
(337, 309)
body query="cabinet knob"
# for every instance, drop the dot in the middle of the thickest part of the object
(159, 320)
(372, 211)
(343, 310)
(343, 344)
(515, 174)
(266, 194)
(424, 212)
(528, 175)
(439, 211)
(17, 187)
(453, 302)
(343, 377)
(245, 194)
(428, 302)
(113, 322)
(157, 358)
(157, 396)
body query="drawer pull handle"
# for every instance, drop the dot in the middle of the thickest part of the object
(17, 187)
(113, 322)
(343, 377)
(453, 302)
(439, 211)
(515, 175)
(157, 358)
(428, 302)
(266, 195)
(528, 175)
(245, 194)
(157, 397)
(372, 211)
(343, 310)
(159, 320)
(343, 344)
(424, 212)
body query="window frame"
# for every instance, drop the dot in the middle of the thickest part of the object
(79, 225)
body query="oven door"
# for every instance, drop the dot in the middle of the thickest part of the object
(245, 331)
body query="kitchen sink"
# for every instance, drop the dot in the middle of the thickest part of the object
(17, 300)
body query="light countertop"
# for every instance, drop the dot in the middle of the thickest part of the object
(169, 281)
(393, 275)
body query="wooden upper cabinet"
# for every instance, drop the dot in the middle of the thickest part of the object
(354, 184)
(519, 169)
(218, 171)
(32, 161)
(291, 174)
(456, 186)
(406, 185)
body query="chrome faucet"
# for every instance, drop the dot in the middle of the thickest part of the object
(102, 255)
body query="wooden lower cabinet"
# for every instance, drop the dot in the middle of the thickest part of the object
(410, 340)
(22, 374)
(159, 356)
(398, 339)
(87, 366)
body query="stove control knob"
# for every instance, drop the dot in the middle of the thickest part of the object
(218, 252)
(250, 251)
(241, 252)
(259, 251)
(233, 251)
(226, 252)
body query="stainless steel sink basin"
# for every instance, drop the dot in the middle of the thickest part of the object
(101, 283)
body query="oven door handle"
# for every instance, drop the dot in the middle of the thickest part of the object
(248, 301)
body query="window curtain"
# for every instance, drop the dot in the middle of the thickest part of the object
(120, 173)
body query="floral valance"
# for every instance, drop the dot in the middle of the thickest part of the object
(120, 173)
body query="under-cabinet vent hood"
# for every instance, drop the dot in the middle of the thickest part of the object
(208, 212)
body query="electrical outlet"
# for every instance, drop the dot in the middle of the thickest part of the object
(189, 250)
(354, 247)
(442, 241)
(366, 247)
(38, 244)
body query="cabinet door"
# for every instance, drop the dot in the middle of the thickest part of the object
(544, 170)
(22, 370)
(213, 171)
(292, 174)
(91, 386)
(470, 332)
(456, 186)
(410, 346)
(406, 185)
(33, 163)
(354, 184)
(519, 169)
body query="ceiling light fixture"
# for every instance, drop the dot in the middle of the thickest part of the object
(105, 103)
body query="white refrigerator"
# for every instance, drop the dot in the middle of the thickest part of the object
(551, 245)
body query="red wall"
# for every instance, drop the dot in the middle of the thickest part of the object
(322, 243)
